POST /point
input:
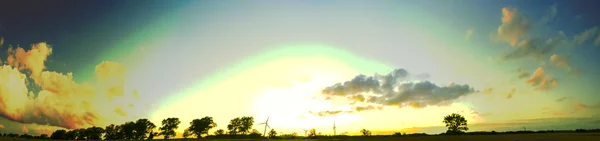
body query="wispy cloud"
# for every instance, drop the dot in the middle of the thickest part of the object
(580, 106)
(551, 16)
(511, 93)
(585, 35)
(535, 48)
(561, 99)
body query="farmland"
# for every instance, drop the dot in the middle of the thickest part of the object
(505, 137)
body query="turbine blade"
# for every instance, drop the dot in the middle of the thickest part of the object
(261, 123)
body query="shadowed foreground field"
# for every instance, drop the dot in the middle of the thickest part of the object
(513, 137)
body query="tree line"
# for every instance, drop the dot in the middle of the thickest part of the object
(239, 127)
(144, 129)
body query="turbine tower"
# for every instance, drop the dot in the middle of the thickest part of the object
(266, 123)
(334, 127)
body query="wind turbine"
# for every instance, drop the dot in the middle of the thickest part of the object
(266, 123)
(333, 127)
(305, 130)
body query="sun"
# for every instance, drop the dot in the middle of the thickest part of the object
(289, 106)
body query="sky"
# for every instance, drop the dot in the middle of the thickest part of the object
(387, 66)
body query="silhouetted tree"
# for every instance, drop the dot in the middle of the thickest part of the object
(294, 134)
(94, 133)
(113, 132)
(234, 125)
(220, 132)
(152, 135)
(199, 127)
(80, 134)
(456, 123)
(59, 135)
(240, 125)
(142, 128)
(26, 136)
(312, 133)
(255, 133)
(365, 132)
(168, 127)
(272, 133)
(43, 136)
(127, 130)
(12, 135)
(186, 133)
(247, 123)
(71, 135)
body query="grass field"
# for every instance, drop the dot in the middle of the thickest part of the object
(513, 137)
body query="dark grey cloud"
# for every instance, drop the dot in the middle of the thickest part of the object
(394, 89)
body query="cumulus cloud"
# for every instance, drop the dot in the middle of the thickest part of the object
(541, 81)
(14, 96)
(585, 35)
(61, 101)
(514, 26)
(393, 89)
(33, 59)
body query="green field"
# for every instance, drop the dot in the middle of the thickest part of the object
(512, 137)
